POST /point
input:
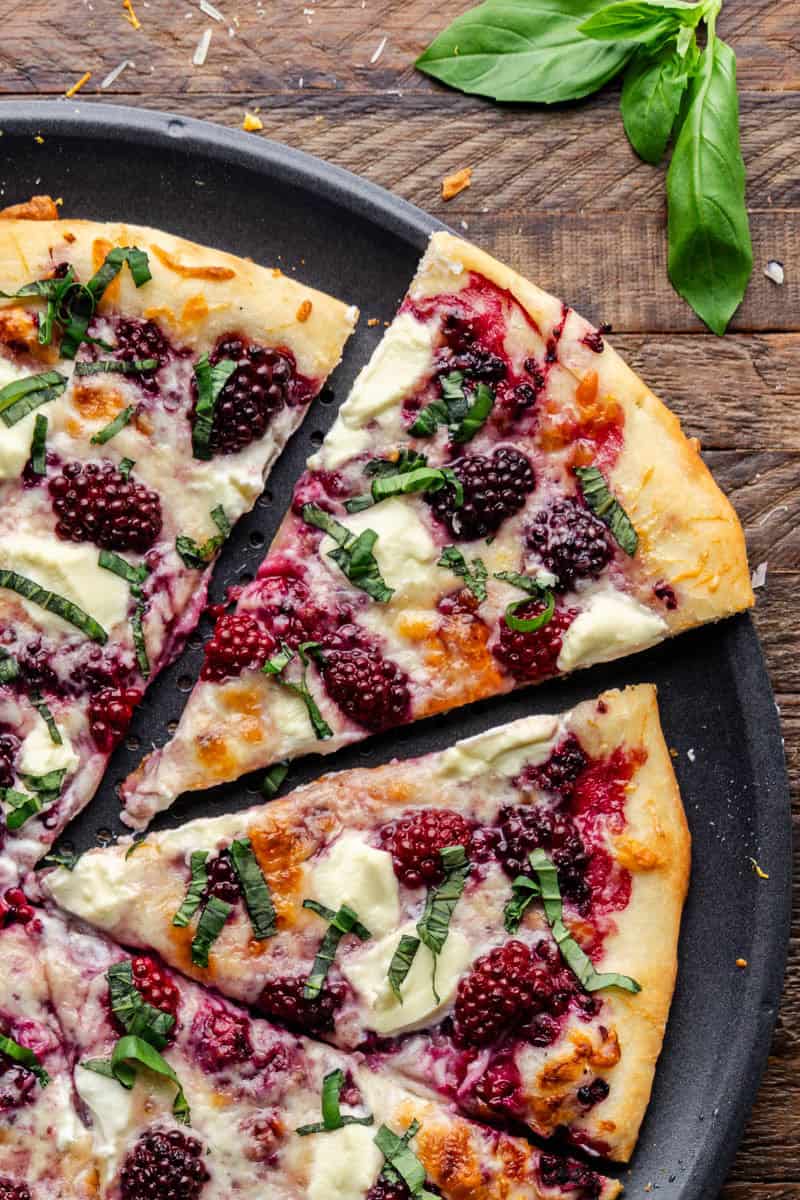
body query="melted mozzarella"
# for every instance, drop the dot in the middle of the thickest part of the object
(111, 1106)
(39, 753)
(70, 570)
(15, 442)
(504, 751)
(344, 1163)
(95, 889)
(611, 625)
(354, 873)
(367, 972)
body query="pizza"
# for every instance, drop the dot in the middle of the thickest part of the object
(147, 385)
(496, 923)
(135, 1084)
(500, 500)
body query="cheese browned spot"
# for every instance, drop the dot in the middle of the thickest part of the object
(97, 401)
(19, 329)
(457, 655)
(246, 702)
(281, 849)
(101, 248)
(186, 272)
(448, 1156)
(195, 310)
(38, 208)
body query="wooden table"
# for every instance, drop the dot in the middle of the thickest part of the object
(560, 195)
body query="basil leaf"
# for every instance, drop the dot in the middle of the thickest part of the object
(210, 382)
(102, 1066)
(429, 419)
(524, 50)
(52, 602)
(48, 718)
(407, 460)
(135, 576)
(644, 21)
(523, 892)
(651, 99)
(474, 574)
(402, 960)
(110, 561)
(341, 922)
(274, 778)
(477, 414)
(61, 858)
(420, 479)
(454, 410)
(434, 925)
(353, 555)
(139, 642)
(136, 1016)
(332, 1117)
(198, 557)
(49, 785)
(112, 429)
(530, 624)
(23, 396)
(116, 366)
(328, 914)
(22, 805)
(209, 927)
(194, 893)
(605, 505)
(401, 1162)
(79, 302)
(125, 467)
(134, 846)
(24, 1058)
(131, 1049)
(276, 666)
(9, 667)
(710, 252)
(575, 958)
(39, 445)
(51, 290)
(257, 896)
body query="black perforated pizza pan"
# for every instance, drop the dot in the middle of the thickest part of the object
(347, 236)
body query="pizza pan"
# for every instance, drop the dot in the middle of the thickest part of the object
(344, 235)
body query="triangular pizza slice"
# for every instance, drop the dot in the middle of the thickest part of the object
(500, 500)
(147, 384)
(497, 922)
(186, 1095)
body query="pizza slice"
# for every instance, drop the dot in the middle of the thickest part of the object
(188, 1096)
(45, 1152)
(147, 385)
(497, 922)
(500, 500)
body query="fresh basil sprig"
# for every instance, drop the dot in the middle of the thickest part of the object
(332, 1115)
(464, 418)
(547, 51)
(352, 554)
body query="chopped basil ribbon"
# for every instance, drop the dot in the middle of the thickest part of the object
(198, 557)
(403, 483)
(48, 718)
(51, 290)
(44, 791)
(210, 382)
(353, 555)
(523, 893)
(341, 922)
(407, 460)
(113, 428)
(277, 665)
(274, 778)
(116, 366)
(454, 410)
(129, 1050)
(125, 467)
(257, 896)
(474, 574)
(534, 588)
(194, 894)
(209, 927)
(401, 1162)
(24, 1057)
(134, 846)
(135, 576)
(135, 1015)
(605, 505)
(39, 445)
(575, 958)
(9, 667)
(332, 1116)
(434, 924)
(402, 960)
(23, 396)
(52, 602)
(78, 303)
(61, 858)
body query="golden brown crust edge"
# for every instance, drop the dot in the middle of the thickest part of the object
(689, 533)
(197, 292)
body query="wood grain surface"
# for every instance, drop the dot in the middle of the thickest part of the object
(561, 196)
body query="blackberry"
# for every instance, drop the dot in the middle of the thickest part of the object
(13, 1191)
(36, 670)
(524, 828)
(110, 713)
(221, 1038)
(257, 390)
(504, 989)
(562, 768)
(155, 987)
(370, 689)
(285, 607)
(390, 1189)
(415, 841)
(570, 541)
(529, 656)
(582, 1182)
(500, 1086)
(494, 488)
(223, 882)
(164, 1165)
(478, 364)
(283, 1001)
(664, 592)
(9, 745)
(593, 1093)
(93, 502)
(238, 643)
(138, 340)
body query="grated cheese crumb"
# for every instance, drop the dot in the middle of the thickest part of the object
(690, 754)
(373, 321)
(759, 576)
(130, 15)
(379, 50)
(76, 87)
(211, 11)
(453, 184)
(114, 75)
(38, 138)
(761, 874)
(252, 123)
(774, 271)
(304, 311)
(201, 50)
(741, 962)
